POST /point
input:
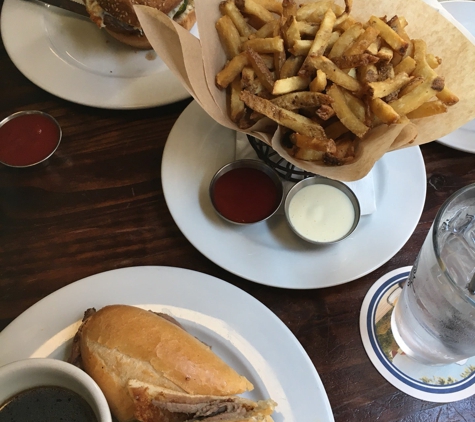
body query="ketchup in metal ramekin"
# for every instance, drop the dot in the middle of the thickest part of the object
(246, 192)
(28, 138)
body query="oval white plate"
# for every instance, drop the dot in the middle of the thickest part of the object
(463, 138)
(72, 58)
(269, 252)
(239, 328)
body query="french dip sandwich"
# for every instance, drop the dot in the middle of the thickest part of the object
(154, 404)
(118, 17)
(152, 370)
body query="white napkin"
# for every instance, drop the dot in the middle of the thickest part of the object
(363, 188)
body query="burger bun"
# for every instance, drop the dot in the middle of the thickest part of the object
(120, 21)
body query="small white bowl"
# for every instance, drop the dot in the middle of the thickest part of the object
(26, 374)
(321, 216)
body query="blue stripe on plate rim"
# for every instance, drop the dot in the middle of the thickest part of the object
(436, 389)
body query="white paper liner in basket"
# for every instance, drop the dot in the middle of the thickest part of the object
(196, 62)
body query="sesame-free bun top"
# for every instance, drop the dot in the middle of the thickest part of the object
(121, 342)
(119, 19)
(124, 9)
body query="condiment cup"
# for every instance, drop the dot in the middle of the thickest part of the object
(34, 140)
(26, 374)
(246, 192)
(323, 215)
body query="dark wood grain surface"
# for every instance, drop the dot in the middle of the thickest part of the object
(98, 205)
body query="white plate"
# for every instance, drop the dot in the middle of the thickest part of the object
(255, 342)
(269, 252)
(463, 138)
(72, 58)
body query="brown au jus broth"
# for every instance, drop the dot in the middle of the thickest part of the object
(47, 404)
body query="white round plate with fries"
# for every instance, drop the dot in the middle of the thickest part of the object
(68, 56)
(269, 252)
(462, 139)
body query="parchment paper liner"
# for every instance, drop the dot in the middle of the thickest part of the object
(196, 61)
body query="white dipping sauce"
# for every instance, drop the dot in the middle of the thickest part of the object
(321, 213)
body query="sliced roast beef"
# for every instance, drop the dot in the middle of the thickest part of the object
(75, 355)
(158, 404)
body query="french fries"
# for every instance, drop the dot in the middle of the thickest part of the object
(260, 68)
(384, 88)
(289, 119)
(293, 83)
(327, 78)
(302, 99)
(395, 41)
(320, 42)
(427, 109)
(230, 9)
(344, 112)
(335, 74)
(229, 36)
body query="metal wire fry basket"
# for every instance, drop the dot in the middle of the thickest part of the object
(283, 168)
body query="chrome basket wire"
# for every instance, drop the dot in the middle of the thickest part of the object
(282, 167)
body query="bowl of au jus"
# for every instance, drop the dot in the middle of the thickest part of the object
(28, 138)
(44, 389)
(321, 210)
(246, 192)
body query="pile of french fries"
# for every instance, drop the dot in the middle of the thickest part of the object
(325, 77)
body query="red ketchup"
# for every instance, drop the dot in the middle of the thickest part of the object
(245, 195)
(28, 139)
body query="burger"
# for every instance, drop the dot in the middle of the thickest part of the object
(118, 18)
(152, 370)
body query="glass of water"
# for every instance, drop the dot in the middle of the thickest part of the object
(434, 318)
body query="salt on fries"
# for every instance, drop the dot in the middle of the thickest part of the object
(325, 77)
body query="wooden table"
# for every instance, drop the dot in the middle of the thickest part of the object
(98, 205)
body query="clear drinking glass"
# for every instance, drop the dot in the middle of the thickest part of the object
(434, 318)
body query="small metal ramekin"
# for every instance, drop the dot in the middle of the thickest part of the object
(253, 164)
(26, 112)
(319, 180)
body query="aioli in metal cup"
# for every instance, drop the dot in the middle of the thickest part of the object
(322, 210)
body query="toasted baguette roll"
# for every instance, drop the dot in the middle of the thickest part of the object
(119, 343)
